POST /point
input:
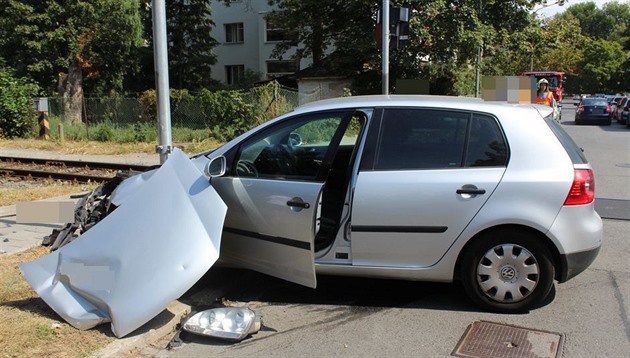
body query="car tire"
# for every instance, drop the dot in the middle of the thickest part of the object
(507, 271)
(608, 122)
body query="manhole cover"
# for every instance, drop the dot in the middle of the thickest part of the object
(613, 208)
(490, 340)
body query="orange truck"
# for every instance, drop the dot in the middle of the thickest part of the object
(556, 81)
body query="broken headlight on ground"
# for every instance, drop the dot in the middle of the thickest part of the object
(229, 323)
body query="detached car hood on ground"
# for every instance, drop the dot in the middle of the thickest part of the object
(148, 252)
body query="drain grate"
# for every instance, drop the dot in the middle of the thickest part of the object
(495, 340)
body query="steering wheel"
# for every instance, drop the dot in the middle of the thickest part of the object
(246, 168)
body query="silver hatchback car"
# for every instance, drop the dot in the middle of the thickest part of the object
(411, 187)
(422, 188)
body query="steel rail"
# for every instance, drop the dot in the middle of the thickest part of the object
(28, 173)
(76, 163)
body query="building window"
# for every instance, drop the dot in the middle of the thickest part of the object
(234, 33)
(234, 73)
(275, 33)
(281, 68)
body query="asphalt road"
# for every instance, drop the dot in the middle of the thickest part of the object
(362, 317)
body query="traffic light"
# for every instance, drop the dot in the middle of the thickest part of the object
(398, 27)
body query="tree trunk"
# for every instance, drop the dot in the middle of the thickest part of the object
(70, 89)
(318, 44)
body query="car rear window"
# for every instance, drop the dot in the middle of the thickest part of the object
(573, 150)
(594, 102)
(413, 138)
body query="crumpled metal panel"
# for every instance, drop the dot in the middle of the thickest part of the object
(148, 252)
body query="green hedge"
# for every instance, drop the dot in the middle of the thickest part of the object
(17, 112)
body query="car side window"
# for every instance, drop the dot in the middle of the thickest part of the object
(486, 146)
(292, 151)
(438, 139)
(421, 139)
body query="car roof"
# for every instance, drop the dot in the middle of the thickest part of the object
(431, 101)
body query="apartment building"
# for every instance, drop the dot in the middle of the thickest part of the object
(246, 41)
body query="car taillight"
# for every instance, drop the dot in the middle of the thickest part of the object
(608, 109)
(583, 188)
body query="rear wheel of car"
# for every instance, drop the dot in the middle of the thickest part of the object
(507, 271)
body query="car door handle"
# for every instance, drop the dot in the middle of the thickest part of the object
(298, 204)
(471, 191)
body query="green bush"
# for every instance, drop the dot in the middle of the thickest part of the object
(220, 115)
(103, 132)
(184, 135)
(226, 112)
(17, 114)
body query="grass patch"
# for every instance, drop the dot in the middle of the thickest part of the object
(79, 147)
(30, 328)
(105, 148)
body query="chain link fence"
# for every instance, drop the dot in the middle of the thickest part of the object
(262, 103)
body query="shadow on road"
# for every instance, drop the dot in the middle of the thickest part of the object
(361, 293)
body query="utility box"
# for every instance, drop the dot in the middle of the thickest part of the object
(41, 104)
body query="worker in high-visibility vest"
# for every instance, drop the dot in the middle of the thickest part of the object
(544, 96)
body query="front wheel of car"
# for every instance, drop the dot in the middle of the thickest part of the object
(507, 271)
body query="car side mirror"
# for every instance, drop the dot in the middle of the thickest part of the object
(216, 167)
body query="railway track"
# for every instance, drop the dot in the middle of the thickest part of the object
(67, 170)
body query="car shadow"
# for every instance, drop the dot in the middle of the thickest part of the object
(360, 293)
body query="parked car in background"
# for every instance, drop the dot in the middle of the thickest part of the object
(593, 110)
(614, 104)
(424, 188)
(618, 110)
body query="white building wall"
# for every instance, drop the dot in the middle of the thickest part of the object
(254, 51)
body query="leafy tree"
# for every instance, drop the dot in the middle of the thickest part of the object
(612, 24)
(446, 32)
(620, 15)
(602, 61)
(65, 41)
(188, 25)
(16, 105)
(558, 45)
(594, 22)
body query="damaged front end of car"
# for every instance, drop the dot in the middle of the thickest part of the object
(126, 265)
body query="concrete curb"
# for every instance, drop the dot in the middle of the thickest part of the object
(149, 334)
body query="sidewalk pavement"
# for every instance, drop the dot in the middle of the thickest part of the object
(16, 237)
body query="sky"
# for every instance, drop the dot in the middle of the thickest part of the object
(554, 9)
